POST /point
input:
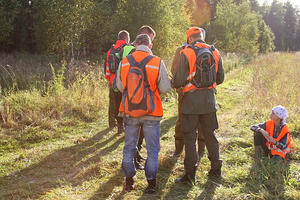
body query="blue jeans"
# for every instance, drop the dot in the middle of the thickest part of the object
(151, 131)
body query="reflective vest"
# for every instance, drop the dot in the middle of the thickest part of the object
(152, 70)
(191, 56)
(109, 75)
(284, 130)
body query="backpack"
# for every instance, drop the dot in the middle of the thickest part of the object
(205, 75)
(138, 98)
(114, 59)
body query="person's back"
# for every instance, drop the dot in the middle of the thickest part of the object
(199, 104)
(158, 82)
(111, 64)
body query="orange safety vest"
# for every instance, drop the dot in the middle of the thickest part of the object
(191, 56)
(284, 130)
(152, 70)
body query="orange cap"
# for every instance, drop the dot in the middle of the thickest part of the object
(192, 31)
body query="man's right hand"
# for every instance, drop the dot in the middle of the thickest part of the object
(255, 128)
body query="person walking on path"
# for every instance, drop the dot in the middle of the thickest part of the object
(156, 81)
(115, 96)
(199, 71)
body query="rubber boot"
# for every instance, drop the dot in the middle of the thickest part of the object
(179, 144)
(201, 148)
(257, 152)
(189, 177)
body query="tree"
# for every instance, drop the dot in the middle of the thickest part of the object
(60, 25)
(236, 27)
(265, 38)
(290, 22)
(275, 19)
(297, 42)
(167, 18)
(9, 11)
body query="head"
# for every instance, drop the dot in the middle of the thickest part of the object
(147, 30)
(195, 33)
(143, 39)
(279, 115)
(124, 35)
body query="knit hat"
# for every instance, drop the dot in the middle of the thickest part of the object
(281, 112)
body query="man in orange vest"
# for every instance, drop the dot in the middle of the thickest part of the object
(199, 104)
(179, 143)
(115, 96)
(158, 83)
(278, 130)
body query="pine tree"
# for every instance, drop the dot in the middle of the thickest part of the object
(290, 23)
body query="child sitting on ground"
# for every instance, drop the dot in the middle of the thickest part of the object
(276, 142)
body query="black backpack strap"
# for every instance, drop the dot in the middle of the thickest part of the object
(141, 64)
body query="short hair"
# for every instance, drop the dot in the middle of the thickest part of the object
(142, 39)
(145, 29)
(123, 35)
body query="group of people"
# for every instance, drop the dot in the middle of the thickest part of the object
(137, 78)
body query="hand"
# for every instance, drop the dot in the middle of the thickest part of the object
(255, 128)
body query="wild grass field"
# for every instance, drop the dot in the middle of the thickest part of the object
(55, 142)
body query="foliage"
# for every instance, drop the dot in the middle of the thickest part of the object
(167, 18)
(237, 27)
(265, 38)
(9, 11)
(60, 25)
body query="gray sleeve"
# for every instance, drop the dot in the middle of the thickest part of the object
(163, 81)
(118, 78)
(181, 73)
(220, 73)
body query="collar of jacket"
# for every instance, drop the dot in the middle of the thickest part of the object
(197, 41)
(144, 48)
(119, 43)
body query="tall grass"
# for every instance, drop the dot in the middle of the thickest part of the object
(75, 92)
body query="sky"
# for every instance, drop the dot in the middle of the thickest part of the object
(294, 2)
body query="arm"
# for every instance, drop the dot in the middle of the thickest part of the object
(181, 73)
(220, 73)
(163, 81)
(175, 60)
(118, 78)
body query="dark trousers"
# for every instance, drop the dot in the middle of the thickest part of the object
(189, 126)
(115, 99)
(260, 140)
(178, 133)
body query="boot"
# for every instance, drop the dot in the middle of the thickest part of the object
(151, 186)
(178, 147)
(189, 177)
(257, 152)
(215, 171)
(129, 184)
(201, 148)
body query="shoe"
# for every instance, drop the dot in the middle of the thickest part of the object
(186, 179)
(129, 184)
(151, 187)
(137, 165)
(214, 173)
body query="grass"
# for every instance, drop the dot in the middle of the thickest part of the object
(81, 158)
